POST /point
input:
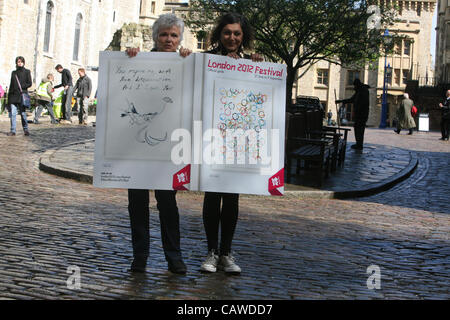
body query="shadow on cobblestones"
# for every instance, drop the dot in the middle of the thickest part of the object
(427, 189)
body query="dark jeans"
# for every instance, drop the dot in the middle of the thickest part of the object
(227, 217)
(83, 105)
(66, 104)
(138, 208)
(359, 127)
(445, 128)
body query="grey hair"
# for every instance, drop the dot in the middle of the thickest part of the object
(406, 95)
(167, 20)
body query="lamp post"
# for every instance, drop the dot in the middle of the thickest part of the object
(386, 40)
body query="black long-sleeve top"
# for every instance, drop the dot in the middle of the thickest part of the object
(24, 76)
(66, 79)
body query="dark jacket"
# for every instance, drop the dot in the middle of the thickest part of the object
(83, 87)
(24, 76)
(66, 79)
(360, 102)
(446, 109)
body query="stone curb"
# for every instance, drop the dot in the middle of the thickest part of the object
(46, 165)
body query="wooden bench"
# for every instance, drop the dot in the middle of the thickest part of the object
(308, 148)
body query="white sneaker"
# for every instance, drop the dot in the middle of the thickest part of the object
(210, 264)
(227, 264)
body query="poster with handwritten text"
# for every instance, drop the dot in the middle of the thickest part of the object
(144, 107)
(141, 102)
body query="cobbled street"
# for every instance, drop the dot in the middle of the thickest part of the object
(288, 248)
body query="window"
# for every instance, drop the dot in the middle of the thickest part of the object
(397, 77)
(322, 76)
(407, 47)
(405, 75)
(26, 1)
(48, 24)
(419, 9)
(398, 48)
(76, 44)
(153, 7)
(352, 75)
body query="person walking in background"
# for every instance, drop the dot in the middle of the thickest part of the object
(404, 117)
(360, 100)
(44, 97)
(83, 89)
(231, 35)
(66, 82)
(445, 120)
(20, 82)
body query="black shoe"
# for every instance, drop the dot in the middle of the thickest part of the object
(177, 266)
(397, 131)
(443, 139)
(356, 147)
(410, 132)
(10, 134)
(26, 133)
(139, 264)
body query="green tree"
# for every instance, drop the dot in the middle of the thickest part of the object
(302, 32)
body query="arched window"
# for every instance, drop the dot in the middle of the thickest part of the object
(76, 41)
(48, 24)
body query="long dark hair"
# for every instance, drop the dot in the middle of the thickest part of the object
(231, 18)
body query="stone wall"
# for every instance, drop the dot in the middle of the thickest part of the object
(132, 35)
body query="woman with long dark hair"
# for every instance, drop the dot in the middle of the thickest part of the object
(231, 36)
(20, 82)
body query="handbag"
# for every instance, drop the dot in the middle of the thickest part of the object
(25, 96)
(414, 111)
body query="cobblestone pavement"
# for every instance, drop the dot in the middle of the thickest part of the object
(288, 248)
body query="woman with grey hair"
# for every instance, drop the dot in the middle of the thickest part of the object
(167, 35)
(404, 117)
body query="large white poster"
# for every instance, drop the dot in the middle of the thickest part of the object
(245, 101)
(230, 112)
(141, 101)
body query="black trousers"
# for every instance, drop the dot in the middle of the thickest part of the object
(225, 217)
(359, 127)
(138, 208)
(445, 128)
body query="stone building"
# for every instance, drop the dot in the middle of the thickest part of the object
(411, 60)
(69, 32)
(442, 62)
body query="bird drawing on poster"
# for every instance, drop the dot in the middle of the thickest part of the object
(144, 122)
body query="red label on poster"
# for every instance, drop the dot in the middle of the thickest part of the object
(275, 182)
(182, 178)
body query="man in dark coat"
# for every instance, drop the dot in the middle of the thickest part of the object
(360, 102)
(83, 89)
(66, 82)
(445, 121)
(20, 82)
